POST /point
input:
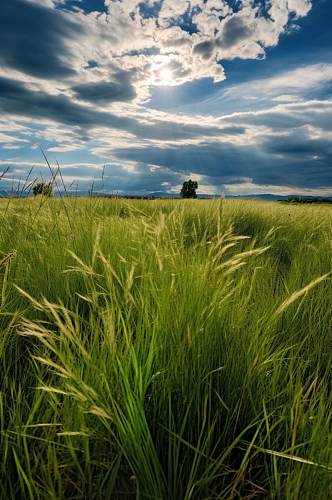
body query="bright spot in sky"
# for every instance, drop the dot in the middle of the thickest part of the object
(161, 74)
(165, 76)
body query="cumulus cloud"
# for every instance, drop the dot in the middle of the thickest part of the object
(186, 38)
(247, 32)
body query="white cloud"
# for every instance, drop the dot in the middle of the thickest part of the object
(66, 148)
(301, 78)
(287, 86)
(187, 38)
(249, 187)
(11, 138)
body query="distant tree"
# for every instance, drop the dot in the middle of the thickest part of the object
(189, 189)
(44, 188)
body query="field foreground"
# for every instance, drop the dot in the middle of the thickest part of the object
(165, 349)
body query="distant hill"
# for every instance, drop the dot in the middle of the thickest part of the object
(161, 194)
(274, 197)
(265, 196)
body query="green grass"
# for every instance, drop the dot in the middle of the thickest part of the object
(165, 349)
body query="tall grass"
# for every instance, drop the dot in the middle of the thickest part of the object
(165, 349)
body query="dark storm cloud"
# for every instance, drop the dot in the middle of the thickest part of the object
(16, 98)
(121, 88)
(142, 180)
(33, 39)
(300, 146)
(276, 162)
(210, 158)
(112, 177)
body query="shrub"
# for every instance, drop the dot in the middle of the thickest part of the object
(44, 188)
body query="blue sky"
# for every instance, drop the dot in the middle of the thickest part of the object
(236, 94)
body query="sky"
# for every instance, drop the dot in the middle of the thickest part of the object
(136, 96)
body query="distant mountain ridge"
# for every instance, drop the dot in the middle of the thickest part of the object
(276, 197)
(161, 194)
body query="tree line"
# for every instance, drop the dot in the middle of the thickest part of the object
(188, 189)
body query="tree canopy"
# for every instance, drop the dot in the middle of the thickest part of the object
(189, 189)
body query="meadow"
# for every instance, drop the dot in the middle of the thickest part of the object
(165, 349)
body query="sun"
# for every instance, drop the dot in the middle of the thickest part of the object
(166, 76)
(162, 74)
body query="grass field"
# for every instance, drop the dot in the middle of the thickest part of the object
(165, 349)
